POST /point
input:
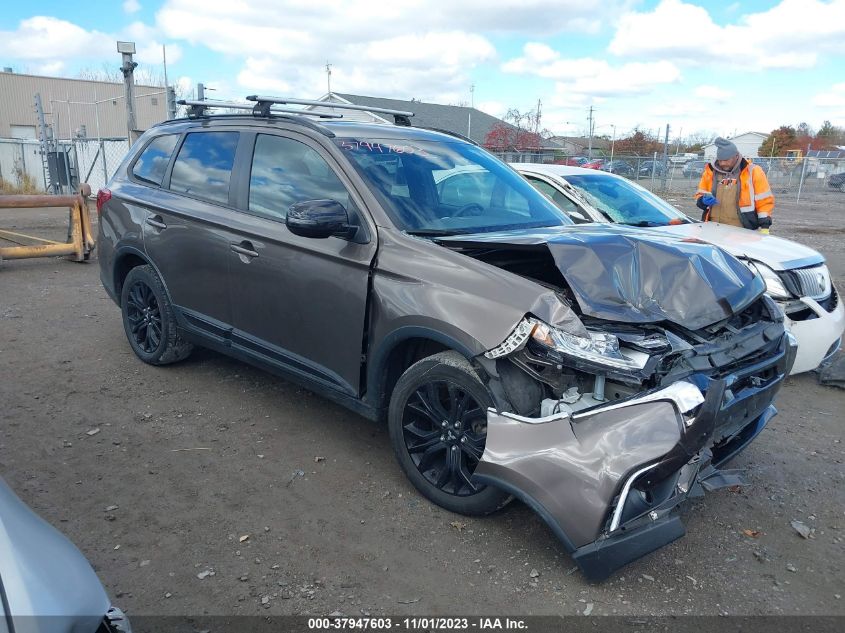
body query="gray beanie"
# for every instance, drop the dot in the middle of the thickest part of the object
(725, 149)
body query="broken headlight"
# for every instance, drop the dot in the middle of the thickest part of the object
(774, 284)
(597, 348)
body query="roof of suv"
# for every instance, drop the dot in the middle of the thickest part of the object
(330, 127)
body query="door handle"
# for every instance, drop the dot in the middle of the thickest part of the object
(156, 221)
(244, 248)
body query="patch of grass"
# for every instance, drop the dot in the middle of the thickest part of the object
(26, 184)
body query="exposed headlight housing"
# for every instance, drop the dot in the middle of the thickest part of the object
(598, 348)
(774, 284)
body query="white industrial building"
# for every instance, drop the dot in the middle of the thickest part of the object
(747, 144)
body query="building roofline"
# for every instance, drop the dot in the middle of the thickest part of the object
(78, 79)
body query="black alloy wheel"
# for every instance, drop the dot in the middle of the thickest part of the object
(144, 316)
(437, 420)
(149, 320)
(445, 430)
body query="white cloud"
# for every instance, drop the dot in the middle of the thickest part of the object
(131, 6)
(44, 37)
(793, 34)
(51, 69)
(833, 98)
(592, 77)
(408, 49)
(713, 93)
(493, 108)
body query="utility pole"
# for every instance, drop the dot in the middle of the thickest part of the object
(329, 77)
(126, 50)
(472, 96)
(590, 148)
(170, 95)
(665, 158)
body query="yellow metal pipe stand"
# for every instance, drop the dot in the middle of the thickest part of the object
(80, 242)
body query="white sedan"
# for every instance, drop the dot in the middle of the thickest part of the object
(796, 276)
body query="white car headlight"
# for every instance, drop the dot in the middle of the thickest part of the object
(774, 284)
(598, 348)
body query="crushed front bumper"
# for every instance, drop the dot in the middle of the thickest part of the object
(607, 479)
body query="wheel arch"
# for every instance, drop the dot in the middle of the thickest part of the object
(125, 260)
(398, 351)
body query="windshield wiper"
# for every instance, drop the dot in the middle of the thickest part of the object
(644, 223)
(432, 232)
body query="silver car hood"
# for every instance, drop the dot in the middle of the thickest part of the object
(43, 574)
(777, 253)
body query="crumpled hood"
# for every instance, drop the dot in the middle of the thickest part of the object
(636, 276)
(777, 253)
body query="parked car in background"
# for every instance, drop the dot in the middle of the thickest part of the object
(46, 585)
(619, 167)
(764, 163)
(796, 276)
(414, 278)
(573, 161)
(837, 181)
(694, 168)
(594, 163)
(651, 168)
(681, 159)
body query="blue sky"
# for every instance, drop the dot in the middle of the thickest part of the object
(703, 67)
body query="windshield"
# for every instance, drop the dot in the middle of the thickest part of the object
(625, 202)
(437, 188)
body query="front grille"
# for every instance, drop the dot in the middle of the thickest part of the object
(812, 282)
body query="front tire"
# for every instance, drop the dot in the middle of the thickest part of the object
(438, 428)
(148, 319)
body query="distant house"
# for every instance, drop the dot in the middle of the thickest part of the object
(747, 144)
(472, 123)
(580, 146)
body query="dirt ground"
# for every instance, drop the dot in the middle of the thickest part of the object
(210, 487)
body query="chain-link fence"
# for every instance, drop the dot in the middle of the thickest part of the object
(795, 178)
(27, 168)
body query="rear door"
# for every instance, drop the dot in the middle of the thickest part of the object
(297, 301)
(185, 232)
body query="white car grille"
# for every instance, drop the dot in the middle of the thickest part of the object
(813, 282)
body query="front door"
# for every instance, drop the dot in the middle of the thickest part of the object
(298, 301)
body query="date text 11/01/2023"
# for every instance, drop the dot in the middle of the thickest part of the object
(416, 624)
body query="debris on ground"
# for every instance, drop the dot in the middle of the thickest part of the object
(588, 609)
(752, 533)
(245, 537)
(801, 528)
(92, 432)
(296, 473)
(534, 573)
(458, 525)
(205, 574)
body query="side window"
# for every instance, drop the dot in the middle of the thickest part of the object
(468, 188)
(203, 167)
(285, 171)
(570, 208)
(153, 161)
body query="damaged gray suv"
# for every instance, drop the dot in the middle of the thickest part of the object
(600, 374)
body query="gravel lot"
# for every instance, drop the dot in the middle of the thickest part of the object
(210, 487)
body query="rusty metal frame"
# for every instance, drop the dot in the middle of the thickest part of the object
(80, 242)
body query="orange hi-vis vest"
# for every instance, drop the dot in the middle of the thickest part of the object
(754, 195)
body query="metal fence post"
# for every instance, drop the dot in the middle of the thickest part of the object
(801, 181)
(103, 158)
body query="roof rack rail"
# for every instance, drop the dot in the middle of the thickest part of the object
(198, 109)
(448, 132)
(400, 117)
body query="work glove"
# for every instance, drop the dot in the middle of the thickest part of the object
(764, 231)
(709, 200)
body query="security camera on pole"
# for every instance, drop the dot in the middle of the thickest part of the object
(127, 49)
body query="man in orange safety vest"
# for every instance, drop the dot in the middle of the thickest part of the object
(735, 191)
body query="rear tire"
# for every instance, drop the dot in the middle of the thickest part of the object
(148, 319)
(438, 428)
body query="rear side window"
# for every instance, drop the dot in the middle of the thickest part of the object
(153, 161)
(203, 167)
(285, 171)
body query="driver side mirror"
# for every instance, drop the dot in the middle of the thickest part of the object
(319, 219)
